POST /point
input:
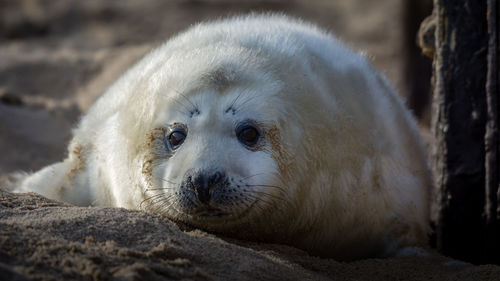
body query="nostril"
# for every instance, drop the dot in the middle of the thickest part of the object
(203, 184)
(215, 178)
(201, 187)
(189, 182)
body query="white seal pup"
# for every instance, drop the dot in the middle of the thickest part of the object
(259, 127)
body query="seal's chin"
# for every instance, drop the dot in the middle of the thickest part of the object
(210, 212)
(204, 213)
(213, 214)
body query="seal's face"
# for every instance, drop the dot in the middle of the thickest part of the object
(217, 156)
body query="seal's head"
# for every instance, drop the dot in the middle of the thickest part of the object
(217, 156)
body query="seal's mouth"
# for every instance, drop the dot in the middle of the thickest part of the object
(203, 215)
(210, 212)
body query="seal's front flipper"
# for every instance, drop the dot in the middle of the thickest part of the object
(61, 181)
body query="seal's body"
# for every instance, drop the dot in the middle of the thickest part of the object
(260, 127)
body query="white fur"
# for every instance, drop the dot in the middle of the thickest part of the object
(355, 179)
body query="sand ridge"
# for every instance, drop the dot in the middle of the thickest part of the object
(41, 239)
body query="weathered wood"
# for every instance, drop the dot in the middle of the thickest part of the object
(492, 213)
(465, 124)
(459, 124)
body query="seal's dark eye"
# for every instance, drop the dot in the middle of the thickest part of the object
(248, 135)
(176, 138)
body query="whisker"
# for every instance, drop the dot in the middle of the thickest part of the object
(150, 198)
(236, 99)
(265, 185)
(269, 195)
(165, 205)
(275, 174)
(157, 197)
(158, 204)
(247, 204)
(160, 195)
(266, 203)
(259, 206)
(283, 200)
(249, 99)
(160, 198)
(169, 181)
(159, 188)
(184, 107)
(252, 176)
(156, 194)
(192, 104)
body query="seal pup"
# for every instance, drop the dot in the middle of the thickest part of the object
(258, 127)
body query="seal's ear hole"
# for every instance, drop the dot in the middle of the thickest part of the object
(248, 134)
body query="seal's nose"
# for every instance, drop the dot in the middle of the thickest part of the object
(204, 183)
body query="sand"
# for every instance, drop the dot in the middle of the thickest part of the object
(42, 239)
(58, 56)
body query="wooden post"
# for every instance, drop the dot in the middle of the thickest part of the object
(491, 248)
(465, 154)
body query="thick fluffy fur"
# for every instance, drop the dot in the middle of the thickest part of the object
(340, 170)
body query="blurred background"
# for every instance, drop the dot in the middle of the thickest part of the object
(58, 56)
